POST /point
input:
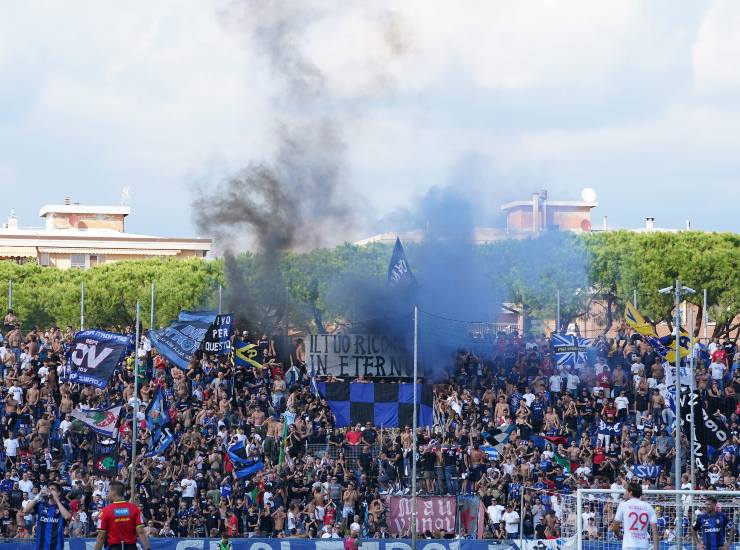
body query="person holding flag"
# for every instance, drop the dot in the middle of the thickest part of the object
(53, 515)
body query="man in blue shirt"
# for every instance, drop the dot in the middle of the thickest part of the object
(715, 529)
(53, 513)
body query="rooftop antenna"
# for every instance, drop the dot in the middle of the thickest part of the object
(126, 196)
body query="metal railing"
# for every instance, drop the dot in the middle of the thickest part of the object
(350, 452)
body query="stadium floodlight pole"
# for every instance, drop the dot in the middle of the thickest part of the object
(557, 315)
(10, 294)
(692, 388)
(151, 310)
(677, 291)
(82, 305)
(134, 418)
(415, 421)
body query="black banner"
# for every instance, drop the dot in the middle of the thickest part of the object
(95, 355)
(708, 431)
(105, 459)
(218, 337)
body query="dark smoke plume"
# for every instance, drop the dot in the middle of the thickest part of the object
(299, 198)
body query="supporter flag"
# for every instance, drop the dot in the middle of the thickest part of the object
(284, 440)
(94, 355)
(381, 404)
(158, 424)
(181, 339)
(556, 439)
(399, 272)
(244, 465)
(664, 346)
(636, 320)
(562, 461)
(245, 354)
(218, 337)
(610, 428)
(101, 421)
(647, 471)
(105, 459)
(570, 350)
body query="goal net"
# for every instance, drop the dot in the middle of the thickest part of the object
(585, 518)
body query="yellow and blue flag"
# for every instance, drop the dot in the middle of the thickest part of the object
(245, 354)
(664, 346)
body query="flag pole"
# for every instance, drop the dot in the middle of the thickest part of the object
(415, 422)
(219, 299)
(704, 319)
(557, 326)
(134, 420)
(10, 294)
(692, 389)
(677, 423)
(151, 310)
(634, 297)
(82, 305)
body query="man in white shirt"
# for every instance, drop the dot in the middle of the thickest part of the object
(511, 521)
(11, 445)
(572, 381)
(65, 425)
(26, 484)
(528, 397)
(556, 383)
(189, 488)
(495, 511)
(717, 370)
(636, 515)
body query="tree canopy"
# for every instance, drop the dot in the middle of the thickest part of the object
(316, 289)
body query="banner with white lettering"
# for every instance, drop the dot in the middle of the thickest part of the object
(647, 471)
(179, 341)
(432, 514)
(218, 337)
(322, 544)
(95, 355)
(348, 355)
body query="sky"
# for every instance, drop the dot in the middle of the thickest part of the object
(638, 100)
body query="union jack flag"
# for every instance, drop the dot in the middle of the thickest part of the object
(570, 350)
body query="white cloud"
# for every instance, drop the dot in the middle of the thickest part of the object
(717, 48)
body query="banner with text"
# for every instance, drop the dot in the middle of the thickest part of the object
(179, 341)
(433, 513)
(358, 354)
(95, 355)
(218, 337)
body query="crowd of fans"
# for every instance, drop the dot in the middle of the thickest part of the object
(323, 481)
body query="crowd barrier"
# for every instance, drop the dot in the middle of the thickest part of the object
(323, 544)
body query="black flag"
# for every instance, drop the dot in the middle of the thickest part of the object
(105, 459)
(399, 272)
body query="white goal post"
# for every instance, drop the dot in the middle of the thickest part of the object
(586, 517)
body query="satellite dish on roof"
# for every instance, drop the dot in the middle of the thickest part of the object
(588, 195)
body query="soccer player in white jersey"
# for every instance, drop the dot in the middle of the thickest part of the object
(635, 515)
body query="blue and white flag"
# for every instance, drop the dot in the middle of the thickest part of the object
(179, 341)
(570, 350)
(399, 272)
(490, 451)
(610, 428)
(158, 424)
(649, 471)
(94, 356)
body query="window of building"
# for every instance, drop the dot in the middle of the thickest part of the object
(79, 261)
(44, 258)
